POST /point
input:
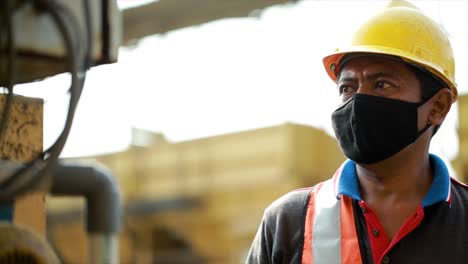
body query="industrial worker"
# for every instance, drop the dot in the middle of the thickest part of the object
(391, 201)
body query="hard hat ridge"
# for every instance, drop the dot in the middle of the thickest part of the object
(403, 31)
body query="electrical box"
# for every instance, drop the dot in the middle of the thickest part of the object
(39, 46)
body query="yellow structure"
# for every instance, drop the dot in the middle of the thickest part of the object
(201, 201)
(461, 163)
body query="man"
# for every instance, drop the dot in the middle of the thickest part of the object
(392, 201)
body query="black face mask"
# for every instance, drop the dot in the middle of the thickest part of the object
(372, 128)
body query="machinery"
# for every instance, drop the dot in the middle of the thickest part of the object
(38, 39)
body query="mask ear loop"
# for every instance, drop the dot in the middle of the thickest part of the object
(428, 125)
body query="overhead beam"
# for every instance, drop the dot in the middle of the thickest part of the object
(166, 15)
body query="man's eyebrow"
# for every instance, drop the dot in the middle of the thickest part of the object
(346, 79)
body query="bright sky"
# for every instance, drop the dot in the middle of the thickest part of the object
(230, 75)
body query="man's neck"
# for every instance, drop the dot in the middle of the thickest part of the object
(396, 187)
(404, 177)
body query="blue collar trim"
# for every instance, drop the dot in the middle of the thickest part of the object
(348, 183)
(440, 188)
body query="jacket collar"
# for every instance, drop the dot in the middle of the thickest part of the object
(346, 182)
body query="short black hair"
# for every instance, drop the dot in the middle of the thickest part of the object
(430, 85)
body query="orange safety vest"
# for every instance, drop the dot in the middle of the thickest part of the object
(330, 233)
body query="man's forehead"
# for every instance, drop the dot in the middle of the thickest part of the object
(387, 65)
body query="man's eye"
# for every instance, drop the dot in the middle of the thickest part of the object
(382, 85)
(345, 89)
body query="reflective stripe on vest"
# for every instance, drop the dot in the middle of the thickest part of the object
(330, 233)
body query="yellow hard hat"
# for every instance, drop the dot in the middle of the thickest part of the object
(402, 30)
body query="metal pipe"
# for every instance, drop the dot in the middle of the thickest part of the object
(103, 249)
(103, 211)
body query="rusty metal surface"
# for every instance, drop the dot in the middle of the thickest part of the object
(23, 142)
(166, 15)
(23, 137)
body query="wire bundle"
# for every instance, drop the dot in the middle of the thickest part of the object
(78, 58)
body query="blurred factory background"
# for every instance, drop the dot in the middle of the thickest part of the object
(201, 201)
(195, 191)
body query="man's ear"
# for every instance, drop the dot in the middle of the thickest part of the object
(441, 103)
